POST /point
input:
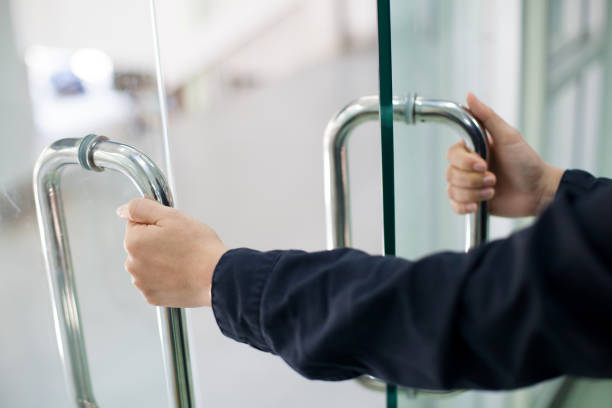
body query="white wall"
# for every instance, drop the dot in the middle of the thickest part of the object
(120, 28)
(194, 35)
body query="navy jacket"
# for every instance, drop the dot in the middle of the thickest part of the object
(509, 313)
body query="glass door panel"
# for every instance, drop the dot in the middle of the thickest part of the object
(75, 68)
(544, 66)
(442, 50)
(251, 86)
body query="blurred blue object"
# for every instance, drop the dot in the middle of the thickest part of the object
(66, 83)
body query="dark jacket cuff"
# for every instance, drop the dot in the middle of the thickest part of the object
(576, 182)
(238, 282)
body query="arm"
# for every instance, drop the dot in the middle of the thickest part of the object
(508, 314)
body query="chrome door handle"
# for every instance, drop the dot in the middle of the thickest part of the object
(410, 110)
(97, 153)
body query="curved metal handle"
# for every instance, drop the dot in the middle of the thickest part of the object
(408, 110)
(97, 153)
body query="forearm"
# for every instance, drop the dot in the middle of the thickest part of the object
(508, 314)
(337, 314)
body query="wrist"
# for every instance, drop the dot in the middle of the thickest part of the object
(551, 178)
(216, 258)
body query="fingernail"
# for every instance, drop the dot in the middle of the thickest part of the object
(486, 193)
(122, 212)
(480, 166)
(489, 180)
(471, 207)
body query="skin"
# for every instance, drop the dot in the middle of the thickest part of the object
(516, 182)
(172, 257)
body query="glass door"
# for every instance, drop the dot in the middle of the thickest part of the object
(437, 50)
(250, 86)
(544, 66)
(71, 68)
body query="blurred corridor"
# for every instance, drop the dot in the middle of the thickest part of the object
(250, 87)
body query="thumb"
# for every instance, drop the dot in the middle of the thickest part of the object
(142, 211)
(501, 131)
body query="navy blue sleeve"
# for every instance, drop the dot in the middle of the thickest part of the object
(507, 314)
(579, 182)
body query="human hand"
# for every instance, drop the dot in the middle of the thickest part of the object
(517, 182)
(171, 256)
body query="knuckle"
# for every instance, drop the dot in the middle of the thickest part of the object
(136, 241)
(448, 174)
(132, 267)
(455, 157)
(145, 290)
(453, 152)
(127, 243)
(131, 244)
(456, 177)
(152, 298)
(138, 284)
(456, 207)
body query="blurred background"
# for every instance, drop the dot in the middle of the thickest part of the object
(249, 87)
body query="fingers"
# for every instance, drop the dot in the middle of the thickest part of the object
(134, 240)
(468, 179)
(460, 157)
(461, 208)
(469, 195)
(143, 211)
(140, 245)
(144, 285)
